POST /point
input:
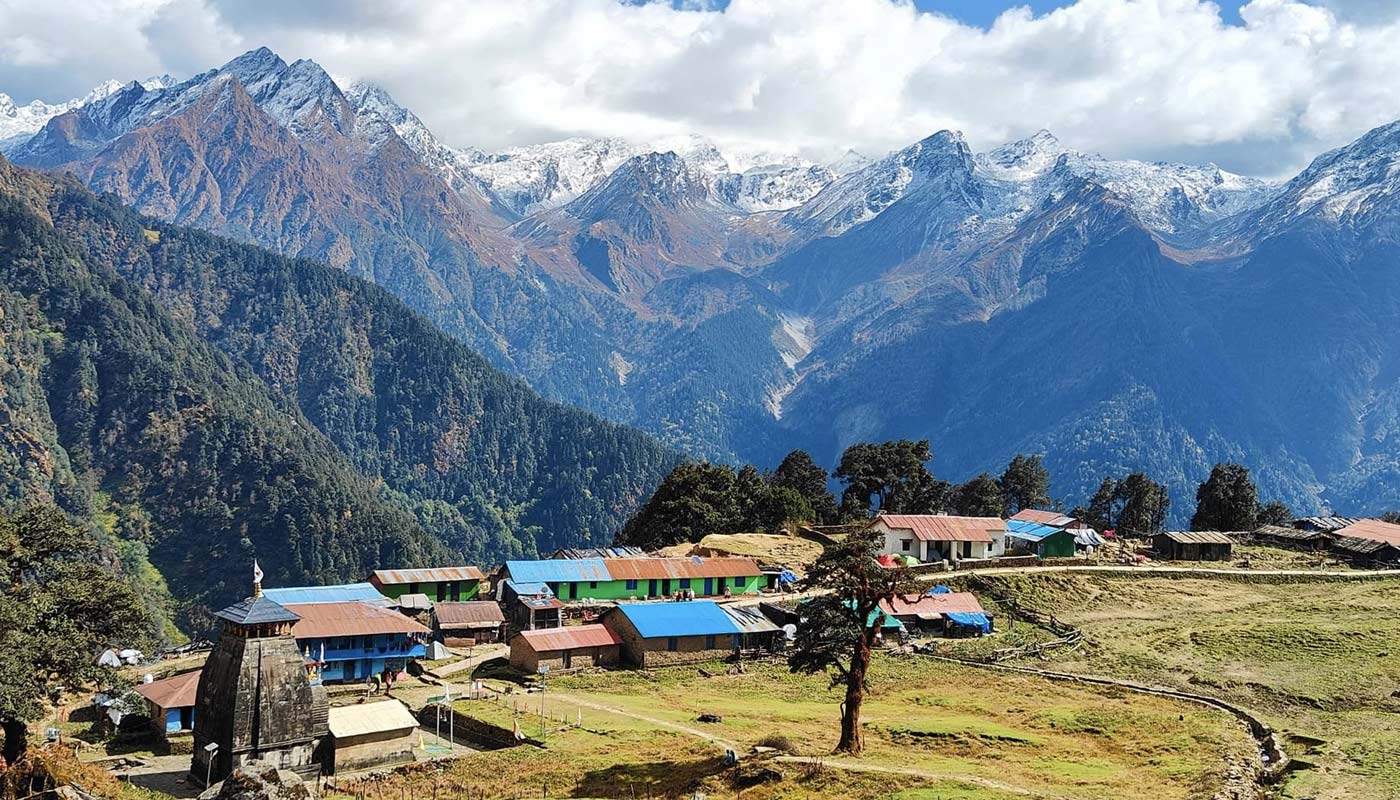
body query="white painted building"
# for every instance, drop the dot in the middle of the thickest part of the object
(938, 537)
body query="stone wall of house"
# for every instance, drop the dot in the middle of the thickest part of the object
(689, 649)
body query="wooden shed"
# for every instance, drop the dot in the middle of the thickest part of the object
(1193, 546)
(471, 622)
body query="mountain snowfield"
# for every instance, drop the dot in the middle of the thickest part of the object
(1113, 314)
(19, 122)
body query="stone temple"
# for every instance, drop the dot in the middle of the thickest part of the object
(255, 700)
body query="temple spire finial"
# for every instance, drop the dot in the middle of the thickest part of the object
(257, 579)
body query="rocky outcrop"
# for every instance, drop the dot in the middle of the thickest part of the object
(259, 780)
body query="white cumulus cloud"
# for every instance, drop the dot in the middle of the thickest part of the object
(1152, 79)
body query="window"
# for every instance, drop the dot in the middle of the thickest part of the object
(673, 644)
(710, 642)
(631, 586)
(905, 544)
(413, 588)
(685, 583)
(593, 584)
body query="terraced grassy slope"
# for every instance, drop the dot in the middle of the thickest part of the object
(1319, 660)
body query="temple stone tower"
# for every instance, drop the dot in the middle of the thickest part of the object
(254, 699)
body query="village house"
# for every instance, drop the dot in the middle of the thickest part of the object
(938, 537)
(1369, 542)
(940, 612)
(528, 606)
(1052, 518)
(1292, 538)
(353, 641)
(563, 649)
(605, 580)
(170, 705)
(440, 584)
(1193, 546)
(657, 634)
(467, 623)
(1045, 541)
(370, 735)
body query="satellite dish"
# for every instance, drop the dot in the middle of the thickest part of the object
(790, 631)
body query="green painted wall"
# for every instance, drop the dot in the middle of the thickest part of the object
(1057, 545)
(618, 590)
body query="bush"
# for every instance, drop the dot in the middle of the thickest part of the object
(779, 742)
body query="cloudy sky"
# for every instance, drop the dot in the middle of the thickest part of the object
(1259, 87)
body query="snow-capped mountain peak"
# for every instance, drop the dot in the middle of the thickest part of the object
(20, 122)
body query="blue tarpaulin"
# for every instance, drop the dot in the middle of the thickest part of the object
(940, 589)
(787, 576)
(971, 619)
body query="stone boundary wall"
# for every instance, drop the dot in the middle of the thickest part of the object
(473, 732)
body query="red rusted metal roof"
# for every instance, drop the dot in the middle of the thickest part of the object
(471, 612)
(632, 569)
(941, 528)
(174, 692)
(323, 620)
(570, 637)
(1374, 530)
(394, 577)
(932, 605)
(1052, 518)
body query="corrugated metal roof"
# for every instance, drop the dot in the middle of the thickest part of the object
(750, 619)
(624, 569)
(932, 606)
(1198, 537)
(558, 570)
(1332, 523)
(396, 577)
(323, 620)
(1365, 547)
(941, 528)
(689, 618)
(176, 691)
(600, 552)
(471, 612)
(367, 718)
(256, 611)
(570, 637)
(340, 593)
(1292, 534)
(1030, 531)
(538, 602)
(416, 601)
(1373, 529)
(1036, 515)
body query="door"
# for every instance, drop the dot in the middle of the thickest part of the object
(709, 586)
(568, 659)
(349, 674)
(651, 588)
(666, 587)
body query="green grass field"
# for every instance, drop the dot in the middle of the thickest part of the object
(1319, 660)
(937, 731)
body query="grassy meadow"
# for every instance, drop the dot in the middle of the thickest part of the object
(933, 730)
(1319, 660)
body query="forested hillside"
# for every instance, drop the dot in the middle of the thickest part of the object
(214, 402)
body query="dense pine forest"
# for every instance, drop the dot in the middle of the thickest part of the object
(199, 402)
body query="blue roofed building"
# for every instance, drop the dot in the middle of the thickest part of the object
(339, 593)
(657, 634)
(1045, 541)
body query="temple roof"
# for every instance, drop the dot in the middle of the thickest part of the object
(255, 611)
